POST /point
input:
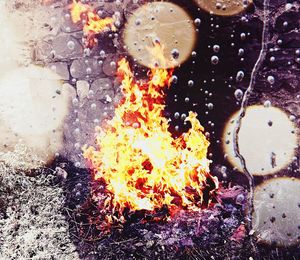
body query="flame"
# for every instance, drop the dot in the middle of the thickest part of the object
(93, 23)
(142, 165)
(77, 9)
(157, 52)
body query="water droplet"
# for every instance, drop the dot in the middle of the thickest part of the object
(197, 21)
(210, 106)
(214, 60)
(267, 103)
(190, 83)
(71, 45)
(216, 48)
(175, 53)
(238, 94)
(271, 79)
(239, 76)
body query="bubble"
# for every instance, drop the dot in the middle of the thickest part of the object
(113, 64)
(52, 53)
(288, 6)
(75, 102)
(279, 42)
(71, 45)
(138, 21)
(271, 79)
(190, 83)
(77, 146)
(87, 52)
(241, 52)
(292, 118)
(238, 93)
(240, 199)
(197, 21)
(135, 125)
(207, 134)
(77, 164)
(223, 169)
(88, 71)
(175, 53)
(174, 79)
(272, 59)
(214, 60)
(210, 106)
(102, 54)
(117, 24)
(216, 48)
(267, 103)
(239, 76)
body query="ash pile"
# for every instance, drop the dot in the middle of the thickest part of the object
(217, 231)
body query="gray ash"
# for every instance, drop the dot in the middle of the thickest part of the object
(216, 230)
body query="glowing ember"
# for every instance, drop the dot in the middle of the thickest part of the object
(92, 23)
(142, 165)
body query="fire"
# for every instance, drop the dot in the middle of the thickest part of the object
(158, 56)
(142, 165)
(93, 24)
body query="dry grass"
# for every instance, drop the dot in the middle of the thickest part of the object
(32, 224)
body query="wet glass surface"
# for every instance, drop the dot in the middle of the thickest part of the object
(59, 80)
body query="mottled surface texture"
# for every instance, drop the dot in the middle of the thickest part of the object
(211, 83)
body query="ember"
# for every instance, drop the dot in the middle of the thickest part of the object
(141, 164)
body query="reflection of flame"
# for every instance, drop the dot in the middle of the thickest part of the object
(158, 56)
(93, 23)
(143, 166)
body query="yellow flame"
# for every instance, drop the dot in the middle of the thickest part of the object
(77, 9)
(159, 57)
(97, 25)
(93, 23)
(143, 166)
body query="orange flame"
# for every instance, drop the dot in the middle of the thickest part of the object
(143, 166)
(93, 23)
